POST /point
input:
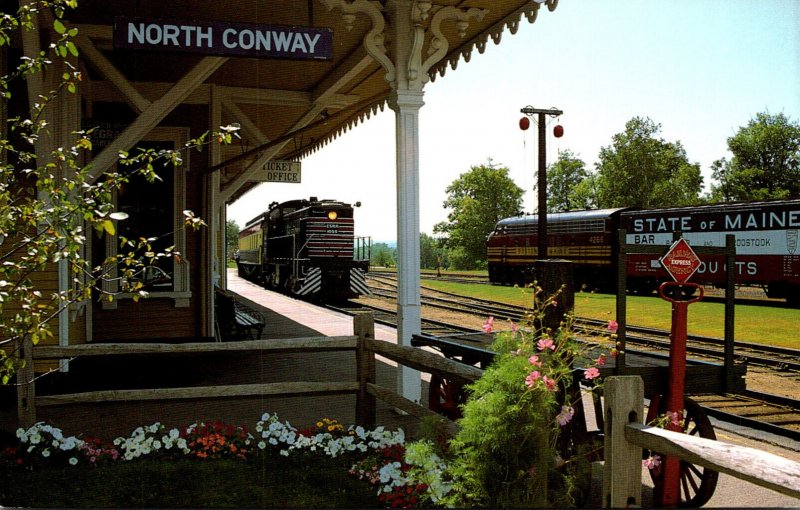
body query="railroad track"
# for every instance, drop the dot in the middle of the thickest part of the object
(779, 358)
(750, 296)
(757, 410)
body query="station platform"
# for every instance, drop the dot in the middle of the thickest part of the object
(287, 317)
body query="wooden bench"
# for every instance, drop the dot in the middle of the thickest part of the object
(234, 320)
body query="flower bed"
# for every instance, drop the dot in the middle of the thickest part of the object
(44, 446)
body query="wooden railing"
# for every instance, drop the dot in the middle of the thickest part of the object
(362, 343)
(625, 436)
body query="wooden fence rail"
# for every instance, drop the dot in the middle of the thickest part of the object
(362, 344)
(625, 437)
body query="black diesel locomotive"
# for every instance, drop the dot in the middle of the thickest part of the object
(766, 236)
(306, 248)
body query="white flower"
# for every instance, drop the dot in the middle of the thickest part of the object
(156, 445)
(73, 460)
(45, 453)
(174, 433)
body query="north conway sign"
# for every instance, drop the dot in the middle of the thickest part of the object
(224, 39)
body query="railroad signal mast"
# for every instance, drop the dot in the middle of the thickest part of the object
(541, 182)
(681, 262)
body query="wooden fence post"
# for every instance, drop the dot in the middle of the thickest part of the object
(26, 387)
(622, 474)
(364, 328)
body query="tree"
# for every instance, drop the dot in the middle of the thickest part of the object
(432, 252)
(50, 203)
(765, 163)
(477, 200)
(584, 194)
(383, 255)
(231, 237)
(640, 170)
(563, 179)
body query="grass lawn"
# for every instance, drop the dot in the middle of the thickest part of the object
(261, 482)
(758, 324)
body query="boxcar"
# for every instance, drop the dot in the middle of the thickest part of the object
(307, 248)
(766, 238)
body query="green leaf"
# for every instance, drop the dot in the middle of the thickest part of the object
(72, 48)
(59, 27)
(108, 226)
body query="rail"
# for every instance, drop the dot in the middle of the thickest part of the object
(625, 437)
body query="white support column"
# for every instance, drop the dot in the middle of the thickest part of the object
(405, 25)
(406, 105)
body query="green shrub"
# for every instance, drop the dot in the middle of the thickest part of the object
(513, 448)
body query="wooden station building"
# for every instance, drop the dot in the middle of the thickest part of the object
(292, 74)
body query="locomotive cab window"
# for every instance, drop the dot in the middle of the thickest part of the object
(155, 210)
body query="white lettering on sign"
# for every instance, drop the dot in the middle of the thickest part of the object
(222, 38)
(763, 220)
(168, 35)
(682, 223)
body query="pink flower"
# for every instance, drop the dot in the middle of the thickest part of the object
(532, 378)
(612, 326)
(546, 343)
(488, 325)
(565, 415)
(675, 418)
(549, 383)
(514, 327)
(652, 461)
(591, 373)
(601, 360)
(534, 360)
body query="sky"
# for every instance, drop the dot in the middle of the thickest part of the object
(700, 68)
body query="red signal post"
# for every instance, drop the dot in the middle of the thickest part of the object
(681, 262)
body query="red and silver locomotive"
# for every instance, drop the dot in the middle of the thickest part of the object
(766, 238)
(307, 248)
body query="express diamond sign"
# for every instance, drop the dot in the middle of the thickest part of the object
(680, 261)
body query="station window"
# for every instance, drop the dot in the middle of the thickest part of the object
(155, 210)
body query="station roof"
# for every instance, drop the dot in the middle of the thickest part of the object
(289, 107)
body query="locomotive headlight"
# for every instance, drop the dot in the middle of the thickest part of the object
(332, 215)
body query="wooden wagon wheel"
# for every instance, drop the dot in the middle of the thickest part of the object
(445, 396)
(697, 483)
